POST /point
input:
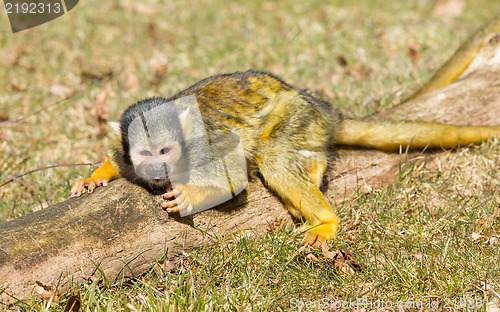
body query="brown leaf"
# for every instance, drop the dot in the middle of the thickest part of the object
(409, 211)
(353, 262)
(345, 262)
(152, 31)
(326, 251)
(341, 60)
(73, 304)
(97, 74)
(169, 266)
(413, 51)
(100, 113)
(46, 292)
(4, 115)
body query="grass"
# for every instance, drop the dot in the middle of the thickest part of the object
(432, 236)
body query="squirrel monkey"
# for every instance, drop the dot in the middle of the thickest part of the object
(285, 131)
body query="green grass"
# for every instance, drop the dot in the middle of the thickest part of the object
(432, 235)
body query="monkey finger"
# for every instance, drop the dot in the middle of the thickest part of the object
(172, 193)
(183, 202)
(102, 182)
(169, 203)
(181, 198)
(189, 208)
(76, 190)
(170, 206)
(91, 187)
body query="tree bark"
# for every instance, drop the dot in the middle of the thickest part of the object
(122, 230)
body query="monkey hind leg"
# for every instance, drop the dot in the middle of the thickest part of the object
(291, 181)
(316, 165)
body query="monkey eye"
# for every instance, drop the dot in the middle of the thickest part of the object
(146, 153)
(165, 150)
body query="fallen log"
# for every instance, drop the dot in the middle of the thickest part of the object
(122, 231)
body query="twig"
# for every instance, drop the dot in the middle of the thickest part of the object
(44, 168)
(42, 109)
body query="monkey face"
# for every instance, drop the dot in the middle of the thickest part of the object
(155, 162)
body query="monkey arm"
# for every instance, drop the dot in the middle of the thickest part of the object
(104, 174)
(456, 65)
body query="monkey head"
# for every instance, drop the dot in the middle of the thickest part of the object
(153, 142)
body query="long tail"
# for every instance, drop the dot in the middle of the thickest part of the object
(390, 135)
(456, 65)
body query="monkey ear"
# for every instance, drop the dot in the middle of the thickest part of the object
(115, 126)
(185, 120)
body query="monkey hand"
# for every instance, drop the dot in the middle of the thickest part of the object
(320, 233)
(101, 177)
(90, 184)
(176, 199)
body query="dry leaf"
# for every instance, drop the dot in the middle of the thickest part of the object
(326, 251)
(59, 90)
(301, 249)
(169, 266)
(145, 9)
(413, 51)
(493, 305)
(275, 68)
(276, 224)
(269, 6)
(419, 257)
(452, 8)
(158, 64)
(312, 257)
(16, 85)
(378, 260)
(494, 240)
(349, 259)
(25, 64)
(475, 236)
(46, 292)
(100, 113)
(131, 82)
(130, 307)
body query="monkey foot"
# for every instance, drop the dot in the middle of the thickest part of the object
(89, 184)
(176, 199)
(320, 233)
